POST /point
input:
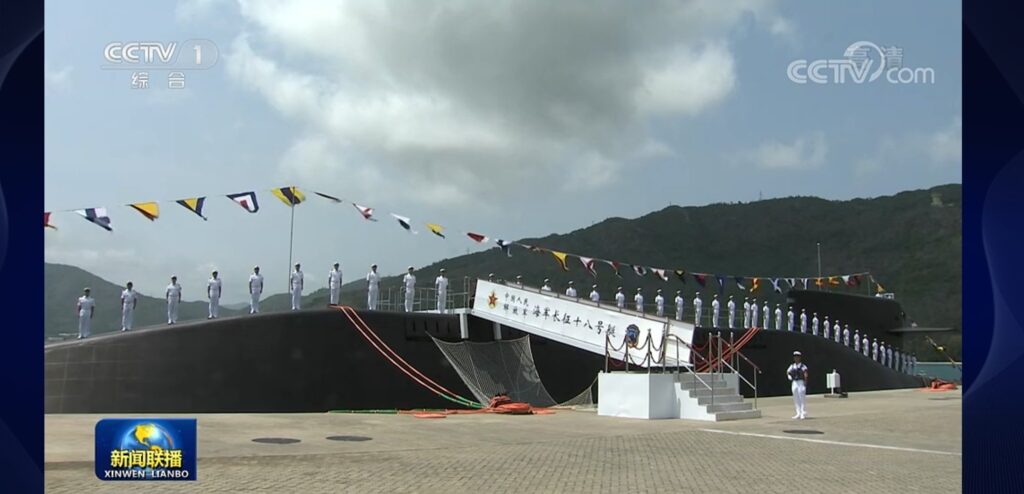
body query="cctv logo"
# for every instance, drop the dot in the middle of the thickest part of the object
(143, 53)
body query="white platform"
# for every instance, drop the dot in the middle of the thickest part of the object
(672, 396)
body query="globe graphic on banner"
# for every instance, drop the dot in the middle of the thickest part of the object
(147, 436)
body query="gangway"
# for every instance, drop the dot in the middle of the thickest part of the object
(584, 324)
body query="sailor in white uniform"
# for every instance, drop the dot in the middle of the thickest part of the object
(837, 332)
(790, 319)
(409, 280)
(766, 313)
(814, 324)
(846, 335)
(639, 300)
(571, 290)
(129, 299)
(620, 299)
(546, 287)
(255, 290)
(731, 305)
(913, 364)
(874, 349)
(746, 313)
(888, 356)
(334, 284)
(659, 302)
(803, 320)
(680, 303)
(296, 282)
(827, 329)
(519, 280)
(594, 295)
(865, 347)
(441, 284)
(753, 313)
(372, 287)
(86, 308)
(173, 296)
(778, 317)
(213, 290)
(698, 308)
(896, 360)
(797, 375)
(715, 309)
(856, 341)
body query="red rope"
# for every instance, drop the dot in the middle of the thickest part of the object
(391, 356)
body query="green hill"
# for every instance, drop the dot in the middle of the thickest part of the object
(911, 242)
(63, 286)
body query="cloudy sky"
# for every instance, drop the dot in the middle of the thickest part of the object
(511, 118)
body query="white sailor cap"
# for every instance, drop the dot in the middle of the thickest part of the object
(796, 353)
(373, 265)
(570, 282)
(410, 267)
(547, 280)
(594, 287)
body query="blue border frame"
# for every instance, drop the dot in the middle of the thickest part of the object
(21, 245)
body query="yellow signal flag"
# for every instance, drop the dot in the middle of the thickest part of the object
(150, 210)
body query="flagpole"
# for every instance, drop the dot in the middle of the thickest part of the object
(291, 241)
(819, 262)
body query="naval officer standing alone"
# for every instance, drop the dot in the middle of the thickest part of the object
(441, 284)
(173, 296)
(296, 285)
(213, 288)
(129, 299)
(334, 284)
(797, 374)
(255, 290)
(85, 309)
(373, 286)
(410, 289)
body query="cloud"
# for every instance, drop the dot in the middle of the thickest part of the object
(446, 99)
(805, 152)
(57, 79)
(939, 149)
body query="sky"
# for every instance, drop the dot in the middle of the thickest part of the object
(509, 118)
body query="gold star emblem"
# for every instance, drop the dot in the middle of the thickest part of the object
(492, 300)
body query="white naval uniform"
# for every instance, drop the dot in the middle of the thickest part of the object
(746, 315)
(846, 336)
(594, 296)
(881, 353)
(639, 299)
(441, 283)
(570, 292)
(128, 298)
(799, 388)
(856, 341)
(659, 302)
(255, 291)
(874, 351)
(865, 346)
(173, 296)
(803, 322)
(790, 320)
(373, 286)
(698, 307)
(888, 357)
(213, 287)
(334, 284)
(766, 313)
(715, 308)
(827, 328)
(620, 300)
(296, 286)
(410, 290)
(732, 313)
(546, 288)
(778, 318)
(814, 326)
(836, 332)
(86, 306)
(753, 314)
(680, 302)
